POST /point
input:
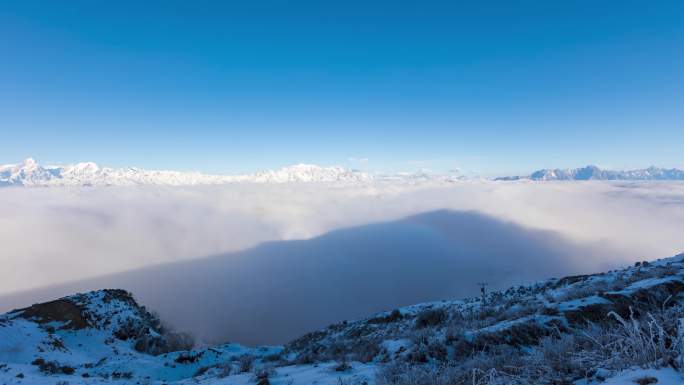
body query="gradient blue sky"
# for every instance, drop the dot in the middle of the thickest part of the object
(489, 87)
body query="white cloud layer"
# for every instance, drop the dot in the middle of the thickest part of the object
(59, 235)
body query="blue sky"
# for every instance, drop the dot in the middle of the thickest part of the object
(488, 87)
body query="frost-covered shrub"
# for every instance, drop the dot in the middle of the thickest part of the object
(272, 357)
(52, 367)
(518, 311)
(454, 334)
(223, 369)
(177, 341)
(472, 318)
(430, 317)
(502, 368)
(200, 371)
(365, 350)
(342, 366)
(347, 381)
(652, 272)
(188, 357)
(169, 342)
(245, 363)
(335, 351)
(426, 346)
(263, 372)
(120, 375)
(394, 316)
(305, 358)
(646, 380)
(583, 291)
(654, 339)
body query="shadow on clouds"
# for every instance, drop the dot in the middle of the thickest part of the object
(279, 290)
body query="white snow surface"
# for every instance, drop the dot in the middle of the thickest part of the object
(97, 356)
(664, 376)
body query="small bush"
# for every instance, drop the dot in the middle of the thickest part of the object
(646, 380)
(176, 341)
(188, 358)
(245, 363)
(124, 375)
(52, 367)
(271, 357)
(200, 371)
(342, 366)
(263, 372)
(66, 369)
(394, 316)
(365, 350)
(430, 317)
(224, 369)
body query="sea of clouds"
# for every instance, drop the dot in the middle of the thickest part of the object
(386, 245)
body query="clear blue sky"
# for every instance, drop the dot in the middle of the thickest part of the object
(494, 87)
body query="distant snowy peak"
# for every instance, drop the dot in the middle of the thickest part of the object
(29, 173)
(308, 173)
(596, 173)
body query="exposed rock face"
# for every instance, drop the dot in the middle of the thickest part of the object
(111, 310)
(61, 310)
(84, 310)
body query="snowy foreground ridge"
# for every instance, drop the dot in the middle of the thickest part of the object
(31, 174)
(620, 327)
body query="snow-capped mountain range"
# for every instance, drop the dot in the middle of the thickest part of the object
(595, 173)
(30, 173)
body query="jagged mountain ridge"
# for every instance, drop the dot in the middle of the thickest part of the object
(31, 174)
(95, 338)
(595, 173)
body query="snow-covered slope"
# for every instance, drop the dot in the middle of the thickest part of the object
(596, 173)
(30, 173)
(620, 327)
(578, 328)
(105, 337)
